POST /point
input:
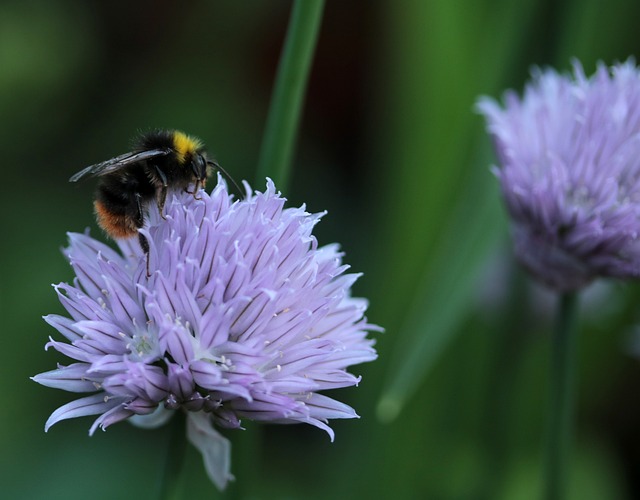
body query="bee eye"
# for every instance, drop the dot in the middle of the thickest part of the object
(203, 167)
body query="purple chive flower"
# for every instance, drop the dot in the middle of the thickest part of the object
(243, 316)
(569, 169)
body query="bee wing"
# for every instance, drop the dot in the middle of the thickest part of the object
(109, 166)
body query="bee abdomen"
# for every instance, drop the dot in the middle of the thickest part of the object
(118, 221)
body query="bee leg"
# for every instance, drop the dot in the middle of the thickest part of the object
(162, 198)
(144, 243)
(196, 188)
(140, 214)
(161, 194)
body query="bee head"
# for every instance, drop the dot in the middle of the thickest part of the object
(200, 171)
(200, 168)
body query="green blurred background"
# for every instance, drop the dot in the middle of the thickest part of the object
(391, 147)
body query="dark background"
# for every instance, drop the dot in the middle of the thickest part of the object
(390, 146)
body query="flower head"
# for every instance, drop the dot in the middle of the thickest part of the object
(569, 169)
(243, 316)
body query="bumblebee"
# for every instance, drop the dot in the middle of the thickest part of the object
(161, 160)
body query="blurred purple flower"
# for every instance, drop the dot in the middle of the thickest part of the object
(243, 316)
(569, 169)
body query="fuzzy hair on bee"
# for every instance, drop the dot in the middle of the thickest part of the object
(161, 160)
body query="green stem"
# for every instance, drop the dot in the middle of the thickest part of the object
(508, 349)
(288, 92)
(175, 456)
(247, 446)
(563, 368)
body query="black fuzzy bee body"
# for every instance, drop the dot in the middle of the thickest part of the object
(161, 160)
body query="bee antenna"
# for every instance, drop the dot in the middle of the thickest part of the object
(215, 165)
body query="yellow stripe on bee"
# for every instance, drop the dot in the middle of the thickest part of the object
(185, 145)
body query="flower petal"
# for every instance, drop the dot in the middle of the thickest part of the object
(215, 449)
(90, 405)
(72, 378)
